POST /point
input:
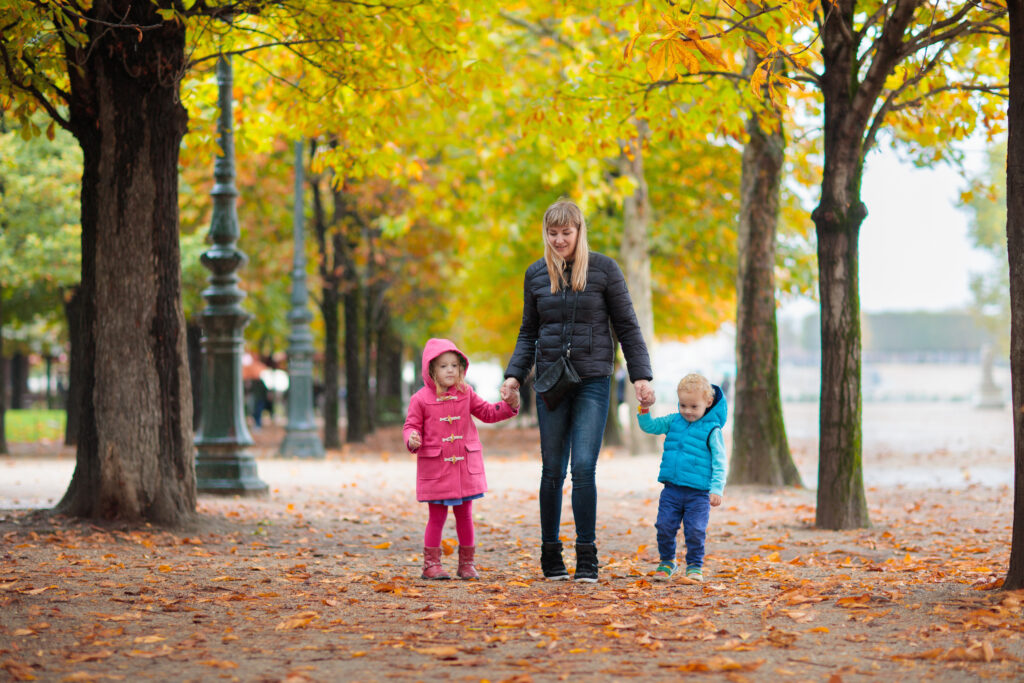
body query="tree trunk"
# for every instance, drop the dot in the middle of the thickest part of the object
(19, 381)
(356, 382)
(389, 372)
(1015, 253)
(194, 344)
(330, 298)
(135, 457)
(357, 408)
(760, 450)
(4, 450)
(636, 266)
(74, 313)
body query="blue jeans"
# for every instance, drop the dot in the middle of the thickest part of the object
(572, 433)
(692, 508)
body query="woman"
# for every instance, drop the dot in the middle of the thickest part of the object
(569, 298)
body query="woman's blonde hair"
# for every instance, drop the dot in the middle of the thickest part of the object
(460, 385)
(564, 213)
(699, 383)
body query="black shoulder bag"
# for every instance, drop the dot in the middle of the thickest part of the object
(560, 377)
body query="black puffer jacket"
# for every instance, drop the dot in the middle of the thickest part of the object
(606, 299)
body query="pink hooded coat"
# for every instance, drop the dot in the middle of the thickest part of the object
(449, 461)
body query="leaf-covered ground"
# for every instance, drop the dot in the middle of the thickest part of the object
(320, 582)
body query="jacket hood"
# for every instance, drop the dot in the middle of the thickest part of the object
(718, 412)
(433, 349)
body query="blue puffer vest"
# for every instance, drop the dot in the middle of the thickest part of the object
(687, 459)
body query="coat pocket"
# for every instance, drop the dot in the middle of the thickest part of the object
(429, 464)
(474, 458)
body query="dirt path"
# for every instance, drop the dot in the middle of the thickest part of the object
(319, 582)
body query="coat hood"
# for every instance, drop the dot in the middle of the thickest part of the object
(433, 349)
(718, 411)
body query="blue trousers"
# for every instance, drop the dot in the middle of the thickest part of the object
(692, 508)
(572, 433)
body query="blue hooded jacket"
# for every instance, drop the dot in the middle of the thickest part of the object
(694, 452)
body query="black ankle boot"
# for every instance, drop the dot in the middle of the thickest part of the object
(551, 562)
(586, 562)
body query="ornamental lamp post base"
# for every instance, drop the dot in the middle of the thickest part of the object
(228, 472)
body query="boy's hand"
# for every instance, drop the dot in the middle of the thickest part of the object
(716, 500)
(414, 441)
(644, 393)
(512, 399)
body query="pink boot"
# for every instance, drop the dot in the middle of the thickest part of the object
(432, 568)
(466, 568)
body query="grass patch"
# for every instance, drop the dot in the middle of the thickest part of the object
(27, 426)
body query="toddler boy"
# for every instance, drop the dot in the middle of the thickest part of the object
(692, 470)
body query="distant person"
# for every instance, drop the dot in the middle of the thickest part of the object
(572, 298)
(692, 470)
(260, 401)
(439, 429)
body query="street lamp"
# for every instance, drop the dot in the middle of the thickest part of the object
(302, 438)
(223, 463)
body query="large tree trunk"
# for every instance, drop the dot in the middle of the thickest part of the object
(760, 450)
(837, 219)
(330, 298)
(636, 266)
(135, 458)
(73, 312)
(1015, 252)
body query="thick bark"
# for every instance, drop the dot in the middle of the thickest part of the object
(135, 457)
(760, 450)
(73, 312)
(636, 266)
(1015, 253)
(330, 298)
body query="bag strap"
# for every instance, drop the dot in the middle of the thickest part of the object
(567, 344)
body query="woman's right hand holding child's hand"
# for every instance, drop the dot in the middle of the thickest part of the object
(414, 441)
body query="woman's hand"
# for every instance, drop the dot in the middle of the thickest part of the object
(644, 392)
(508, 388)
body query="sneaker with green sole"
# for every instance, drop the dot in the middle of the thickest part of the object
(694, 575)
(664, 571)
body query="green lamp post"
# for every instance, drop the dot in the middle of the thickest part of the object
(223, 463)
(302, 438)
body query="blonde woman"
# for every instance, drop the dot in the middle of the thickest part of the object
(572, 299)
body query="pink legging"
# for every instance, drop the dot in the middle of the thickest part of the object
(438, 515)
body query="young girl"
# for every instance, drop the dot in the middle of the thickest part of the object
(439, 429)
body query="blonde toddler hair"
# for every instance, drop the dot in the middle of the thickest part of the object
(696, 382)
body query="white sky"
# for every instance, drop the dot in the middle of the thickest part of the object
(914, 250)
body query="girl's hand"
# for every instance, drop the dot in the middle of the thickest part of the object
(509, 387)
(715, 500)
(513, 400)
(644, 392)
(414, 441)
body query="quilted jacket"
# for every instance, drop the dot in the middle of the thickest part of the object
(604, 305)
